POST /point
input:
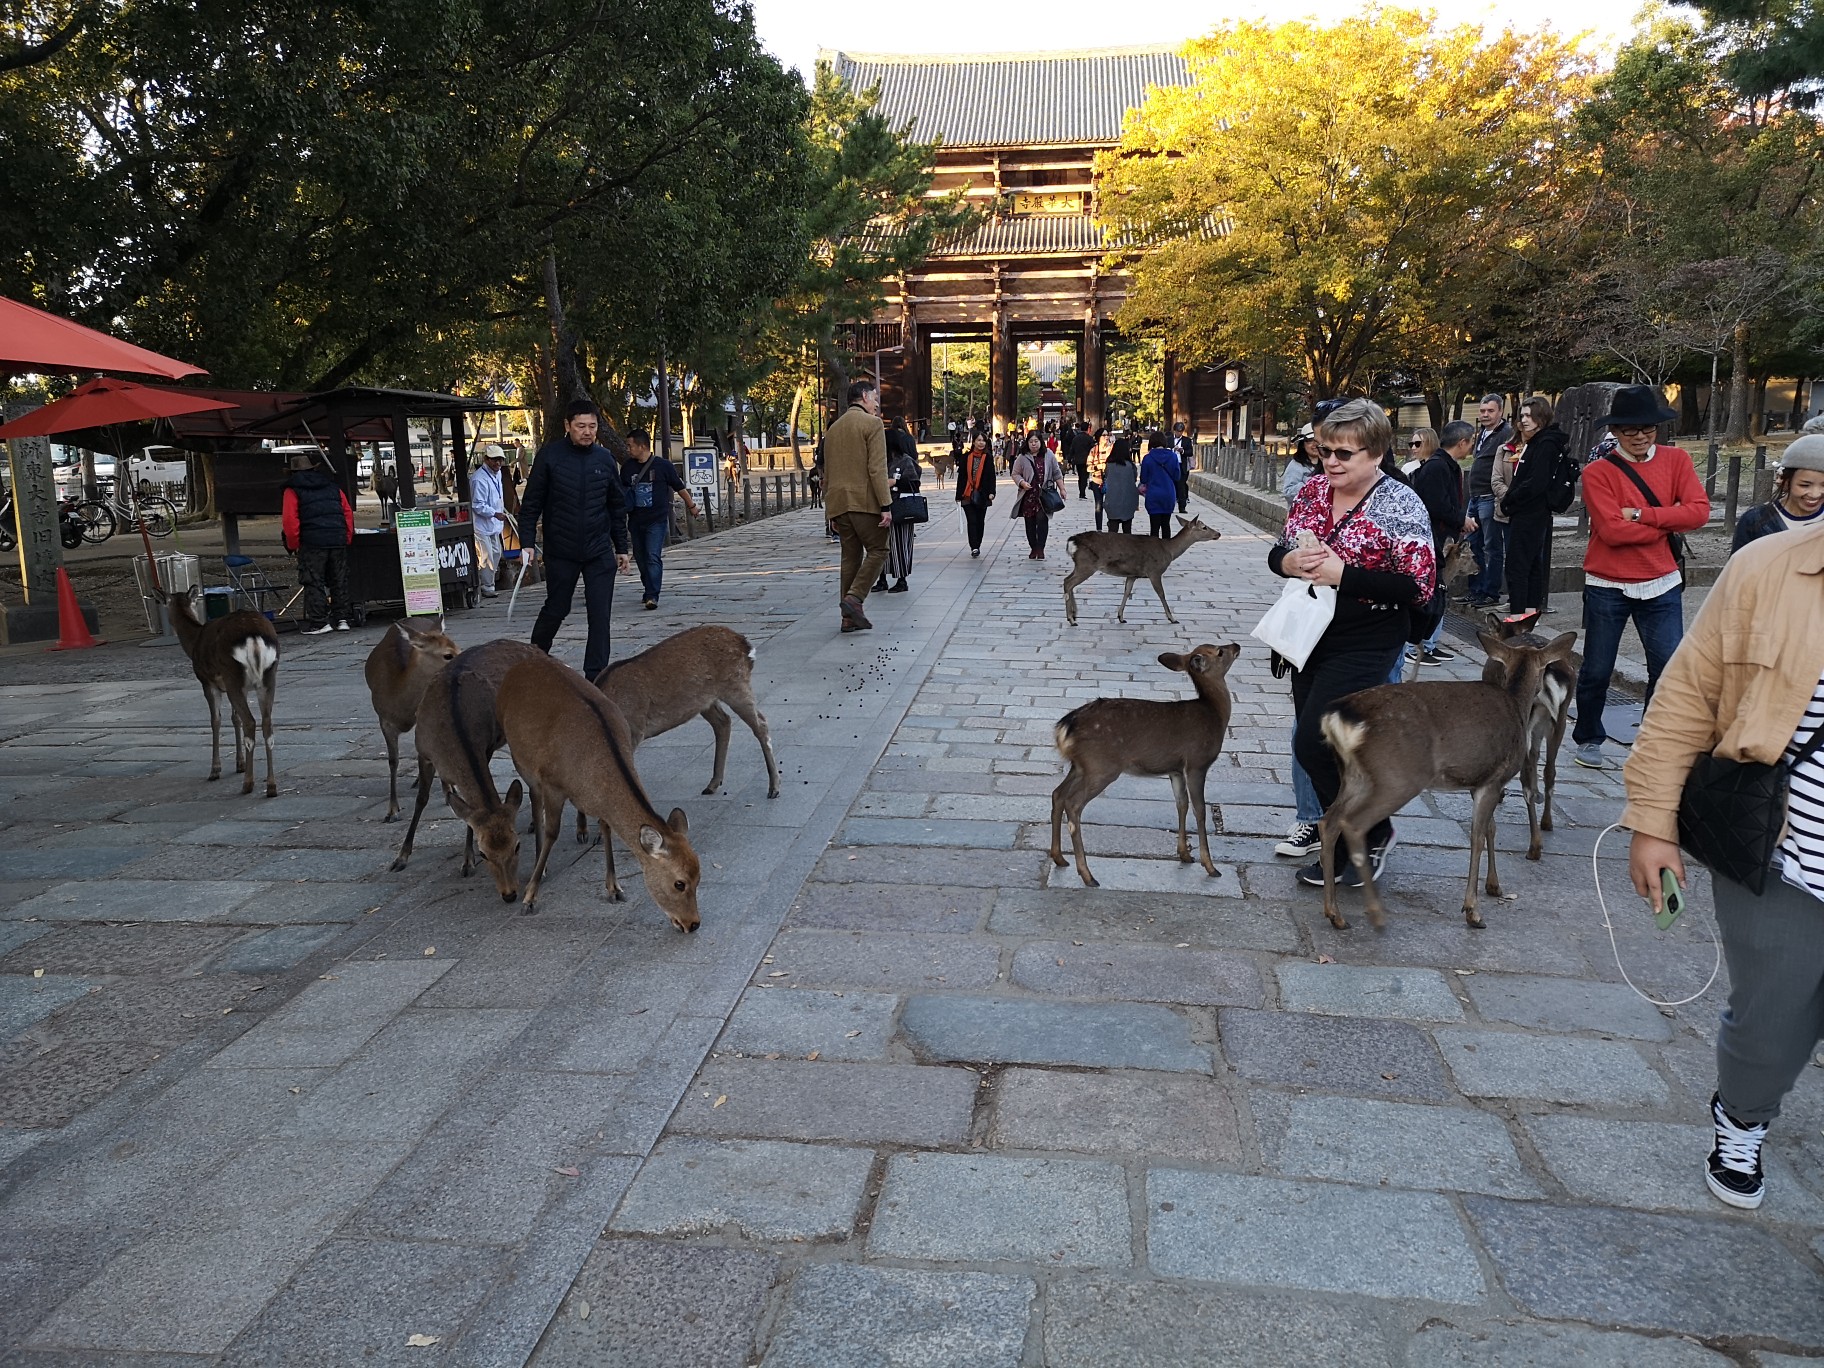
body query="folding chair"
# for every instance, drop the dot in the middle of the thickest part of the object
(254, 588)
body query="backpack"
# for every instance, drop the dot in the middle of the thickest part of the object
(1562, 492)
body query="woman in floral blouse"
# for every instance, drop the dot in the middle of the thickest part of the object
(1368, 536)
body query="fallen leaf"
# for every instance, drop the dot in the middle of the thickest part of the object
(718, 1102)
(1060, 961)
(1182, 945)
(777, 973)
(1390, 1076)
(1464, 972)
(570, 1172)
(422, 1341)
(1325, 959)
(850, 1035)
(636, 1011)
(430, 950)
(297, 1090)
(814, 1054)
(582, 1310)
(37, 973)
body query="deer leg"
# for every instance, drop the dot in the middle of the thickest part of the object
(1194, 780)
(615, 893)
(215, 733)
(548, 813)
(1482, 845)
(1121, 612)
(1328, 830)
(1551, 766)
(1159, 589)
(1071, 581)
(1183, 800)
(391, 733)
(468, 850)
(425, 775)
(717, 717)
(234, 721)
(1529, 775)
(243, 739)
(1086, 788)
(582, 826)
(1057, 817)
(267, 687)
(749, 712)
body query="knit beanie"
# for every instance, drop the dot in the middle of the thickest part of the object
(1806, 453)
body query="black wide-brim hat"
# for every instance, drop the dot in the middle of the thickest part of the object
(1638, 405)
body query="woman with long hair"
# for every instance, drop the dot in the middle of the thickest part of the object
(1120, 485)
(1035, 470)
(902, 470)
(975, 488)
(1527, 504)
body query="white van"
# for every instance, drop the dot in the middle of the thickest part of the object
(158, 466)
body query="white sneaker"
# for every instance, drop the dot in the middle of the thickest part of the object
(316, 631)
(341, 626)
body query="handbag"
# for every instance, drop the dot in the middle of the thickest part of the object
(1050, 500)
(1296, 622)
(1675, 541)
(1732, 813)
(911, 508)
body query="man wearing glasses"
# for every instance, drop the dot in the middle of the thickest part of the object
(1489, 540)
(1638, 499)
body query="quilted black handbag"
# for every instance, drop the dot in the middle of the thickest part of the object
(1732, 814)
(911, 508)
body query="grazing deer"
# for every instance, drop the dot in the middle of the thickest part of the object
(458, 732)
(1131, 557)
(1109, 737)
(1551, 713)
(233, 657)
(571, 744)
(399, 669)
(1395, 741)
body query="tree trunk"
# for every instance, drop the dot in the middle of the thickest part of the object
(1757, 411)
(1688, 419)
(1434, 408)
(1710, 402)
(1738, 385)
(1796, 415)
(567, 376)
(792, 425)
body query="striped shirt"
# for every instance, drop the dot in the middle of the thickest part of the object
(1802, 849)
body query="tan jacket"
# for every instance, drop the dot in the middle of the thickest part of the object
(855, 465)
(1740, 682)
(1500, 476)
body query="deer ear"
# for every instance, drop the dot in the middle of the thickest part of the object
(1560, 647)
(514, 794)
(1173, 661)
(1493, 644)
(651, 841)
(678, 822)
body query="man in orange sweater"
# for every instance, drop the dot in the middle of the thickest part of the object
(1639, 498)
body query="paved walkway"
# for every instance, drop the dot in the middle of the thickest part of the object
(909, 1097)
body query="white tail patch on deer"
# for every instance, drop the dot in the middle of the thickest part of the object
(1345, 737)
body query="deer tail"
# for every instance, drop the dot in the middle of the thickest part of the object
(256, 655)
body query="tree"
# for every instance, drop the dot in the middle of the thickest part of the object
(1316, 192)
(1774, 47)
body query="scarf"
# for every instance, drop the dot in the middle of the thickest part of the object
(977, 462)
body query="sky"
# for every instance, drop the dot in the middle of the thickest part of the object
(793, 30)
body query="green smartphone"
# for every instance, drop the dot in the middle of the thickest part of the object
(1671, 900)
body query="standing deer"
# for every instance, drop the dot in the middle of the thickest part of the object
(1395, 741)
(458, 732)
(233, 657)
(399, 669)
(1551, 713)
(1131, 557)
(1109, 737)
(571, 744)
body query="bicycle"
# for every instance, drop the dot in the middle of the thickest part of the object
(100, 518)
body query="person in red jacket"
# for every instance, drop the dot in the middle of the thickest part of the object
(1639, 498)
(319, 526)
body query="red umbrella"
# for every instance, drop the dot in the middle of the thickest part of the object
(101, 402)
(38, 343)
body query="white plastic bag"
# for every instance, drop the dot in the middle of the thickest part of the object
(1293, 625)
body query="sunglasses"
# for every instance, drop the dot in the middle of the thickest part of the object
(1415, 444)
(1341, 453)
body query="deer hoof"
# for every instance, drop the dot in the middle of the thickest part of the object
(1474, 918)
(615, 895)
(509, 897)
(1212, 871)
(391, 817)
(711, 789)
(772, 793)
(214, 775)
(1535, 853)
(398, 864)
(468, 871)
(272, 790)
(528, 909)
(1089, 882)
(1338, 920)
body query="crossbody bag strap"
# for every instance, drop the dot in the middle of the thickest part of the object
(1360, 505)
(1646, 490)
(1809, 749)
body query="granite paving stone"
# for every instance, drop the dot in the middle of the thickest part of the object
(1509, 944)
(1555, 1004)
(1129, 875)
(142, 900)
(89, 862)
(890, 907)
(786, 1099)
(1333, 1054)
(943, 866)
(1656, 1166)
(1102, 1323)
(25, 1000)
(928, 831)
(882, 960)
(275, 951)
(148, 1012)
(797, 1022)
(1357, 991)
(1060, 1213)
(1438, 1345)
(1172, 1116)
(1108, 914)
(843, 1314)
(1653, 1272)
(50, 1088)
(767, 1190)
(148, 949)
(1026, 1031)
(1391, 1144)
(1139, 973)
(657, 1304)
(1220, 1227)
(1550, 1068)
(329, 866)
(335, 1016)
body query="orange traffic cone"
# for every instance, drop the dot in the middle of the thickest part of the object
(72, 631)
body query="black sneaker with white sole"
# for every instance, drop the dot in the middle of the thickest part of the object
(1734, 1171)
(1301, 843)
(1346, 877)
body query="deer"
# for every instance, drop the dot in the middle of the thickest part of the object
(1131, 557)
(571, 744)
(459, 731)
(399, 669)
(1395, 741)
(233, 656)
(1109, 737)
(691, 674)
(1551, 713)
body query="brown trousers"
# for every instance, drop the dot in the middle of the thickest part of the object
(864, 551)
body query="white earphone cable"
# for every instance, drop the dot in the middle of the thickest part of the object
(1715, 937)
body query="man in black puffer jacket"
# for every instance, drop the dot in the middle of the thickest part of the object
(575, 489)
(318, 525)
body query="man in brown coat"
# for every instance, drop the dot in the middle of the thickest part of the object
(857, 497)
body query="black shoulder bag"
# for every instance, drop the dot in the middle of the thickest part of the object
(1675, 541)
(1732, 813)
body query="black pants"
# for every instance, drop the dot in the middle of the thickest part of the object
(598, 601)
(974, 517)
(323, 573)
(1184, 494)
(1314, 688)
(1120, 524)
(1528, 543)
(1083, 479)
(1162, 526)
(1036, 528)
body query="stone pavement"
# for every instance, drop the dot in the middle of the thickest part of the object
(911, 1096)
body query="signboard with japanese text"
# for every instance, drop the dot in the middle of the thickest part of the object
(418, 561)
(35, 510)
